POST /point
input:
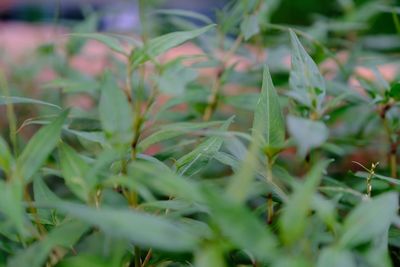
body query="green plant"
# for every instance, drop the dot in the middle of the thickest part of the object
(164, 171)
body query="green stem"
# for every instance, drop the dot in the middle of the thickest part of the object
(396, 21)
(213, 100)
(138, 262)
(392, 155)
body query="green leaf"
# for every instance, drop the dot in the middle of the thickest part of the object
(390, 180)
(333, 257)
(369, 220)
(65, 235)
(116, 115)
(241, 226)
(240, 183)
(97, 137)
(184, 13)
(325, 210)
(210, 255)
(268, 122)
(168, 82)
(111, 42)
(74, 171)
(173, 130)
(11, 194)
(169, 184)
(163, 43)
(4, 100)
(196, 159)
(43, 194)
(250, 26)
(142, 229)
(307, 84)
(293, 220)
(39, 148)
(73, 85)
(307, 134)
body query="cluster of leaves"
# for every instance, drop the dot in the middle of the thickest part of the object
(84, 190)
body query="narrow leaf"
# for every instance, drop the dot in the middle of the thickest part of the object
(162, 44)
(173, 130)
(169, 183)
(195, 160)
(4, 100)
(269, 124)
(39, 148)
(65, 235)
(184, 13)
(235, 221)
(305, 80)
(142, 229)
(293, 220)
(112, 42)
(240, 183)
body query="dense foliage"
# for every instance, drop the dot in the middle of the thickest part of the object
(227, 156)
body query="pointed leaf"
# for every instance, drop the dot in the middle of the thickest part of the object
(162, 44)
(169, 183)
(142, 229)
(305, 79)
(115, 112)
(111, 42)
(4, 100)
(73, 170)
(268, 122)
(369, 220)
(184, 13)
(173, 130)
(39, 148)
(196, 159)
(250, 26)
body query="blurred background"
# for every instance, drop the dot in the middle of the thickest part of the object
(123, 14)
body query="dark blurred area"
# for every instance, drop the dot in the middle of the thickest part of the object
(45, 10)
